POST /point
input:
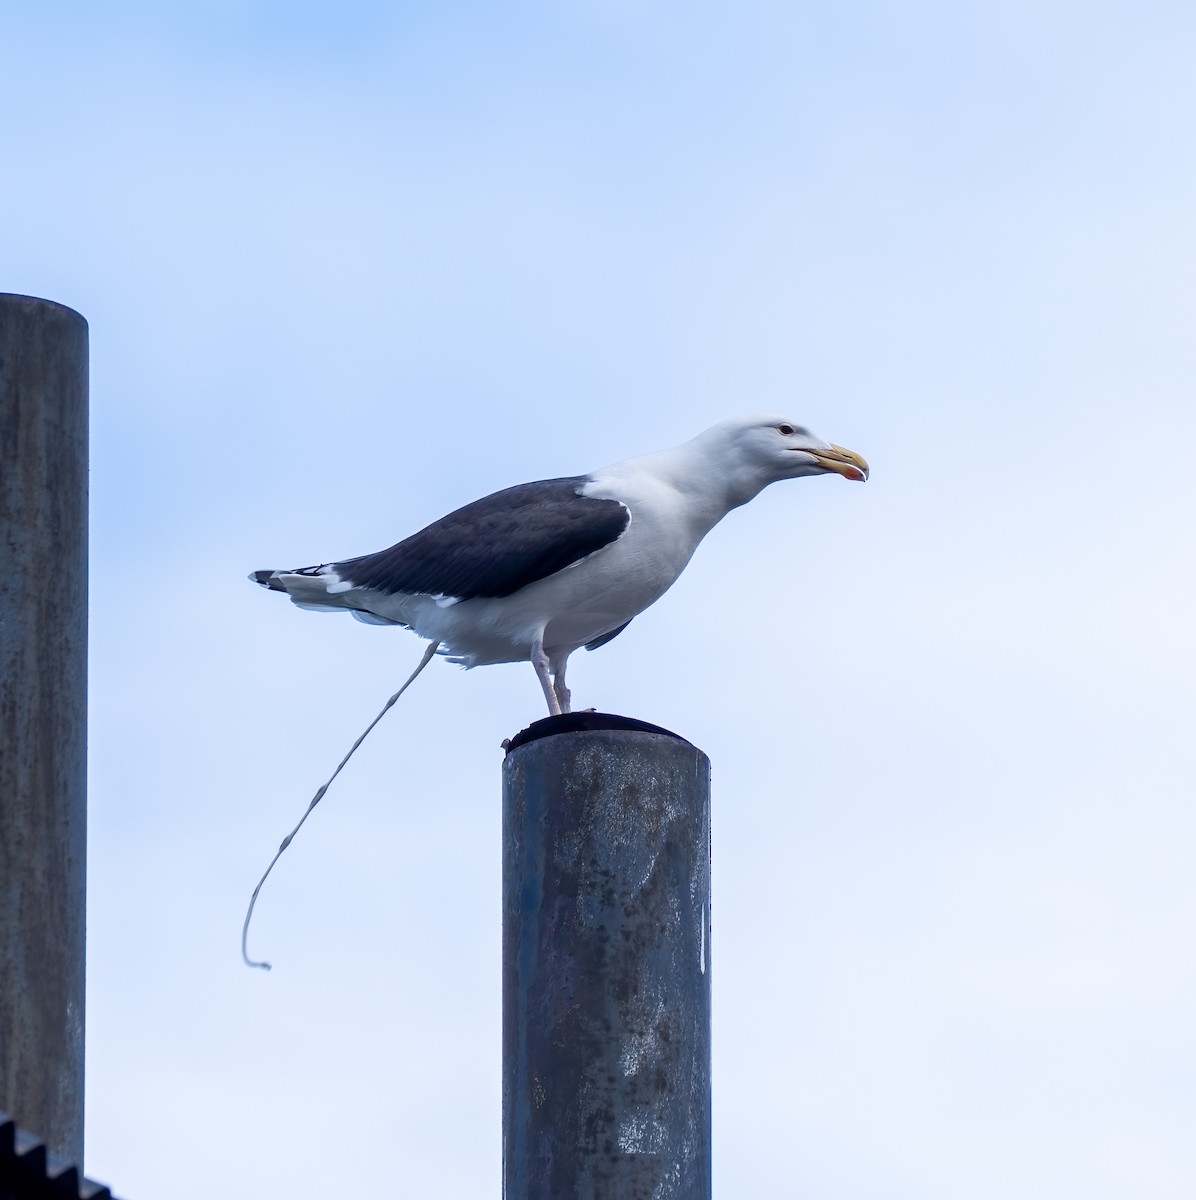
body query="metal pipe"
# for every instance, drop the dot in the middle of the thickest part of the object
(43, 717)
(606, 963)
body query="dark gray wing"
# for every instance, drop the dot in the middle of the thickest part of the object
(607, 637)
(495, 546)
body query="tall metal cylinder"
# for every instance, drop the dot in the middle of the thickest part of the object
(43, 717)
(606, 963)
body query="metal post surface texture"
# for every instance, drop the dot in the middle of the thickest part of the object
(606, 963)
(43, 717)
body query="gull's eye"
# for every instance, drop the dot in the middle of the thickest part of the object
(786, 430)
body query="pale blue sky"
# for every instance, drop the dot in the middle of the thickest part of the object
(348, 267)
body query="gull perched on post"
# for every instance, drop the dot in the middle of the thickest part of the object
(536, 571)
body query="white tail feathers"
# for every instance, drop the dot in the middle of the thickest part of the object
(309, 587)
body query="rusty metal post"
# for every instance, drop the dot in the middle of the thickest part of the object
(606, 963)
(43, 717)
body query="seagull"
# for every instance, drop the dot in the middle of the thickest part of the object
(536, 571)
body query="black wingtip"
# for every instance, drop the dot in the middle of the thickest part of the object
(267, 580)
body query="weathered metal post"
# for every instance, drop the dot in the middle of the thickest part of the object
(43, 717)
(606, 963)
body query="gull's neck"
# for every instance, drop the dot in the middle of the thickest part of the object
(710, 481)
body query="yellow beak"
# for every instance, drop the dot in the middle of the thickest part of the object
(844, 462)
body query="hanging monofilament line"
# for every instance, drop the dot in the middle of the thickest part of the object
(286, 841)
